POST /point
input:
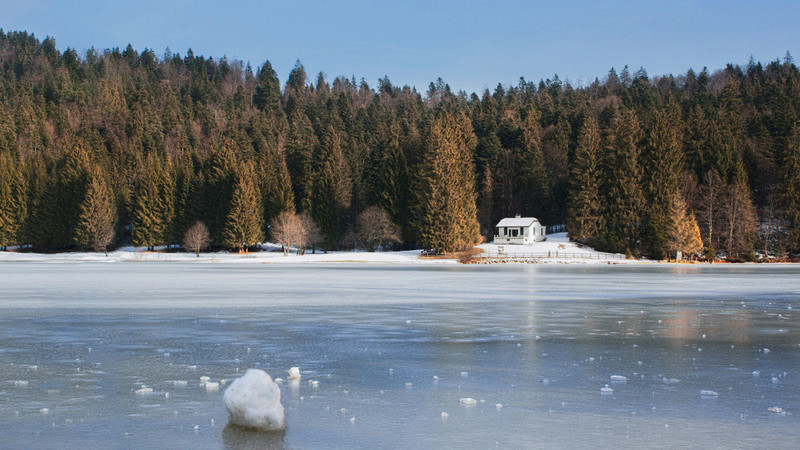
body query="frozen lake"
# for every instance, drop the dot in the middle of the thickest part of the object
(393, 347)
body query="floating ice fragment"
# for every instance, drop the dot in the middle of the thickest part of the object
(20, 383)
(315, 383)
(606, 390)
(639, 363)
(591, 359)
(204, 378)
(766, 351)
(352, 420)
(776, 410)
(196, 427)
(619, 378)
(498, 406)
(279, 380)
(756, 373)
(44, 410)
(408, 322)
(468, 401)
(435, 378)
(180, 383)
(254, 401)
(212, 386)
(192, 367)
(445, 415)
(704, 336)
(294, 373)
(343, 410)
(519, 345)
(707, 393)
(144, 390)
(464, 374)
(409, 384)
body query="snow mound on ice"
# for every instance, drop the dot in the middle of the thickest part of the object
(254, 401)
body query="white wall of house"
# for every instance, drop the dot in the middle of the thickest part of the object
(519, 231)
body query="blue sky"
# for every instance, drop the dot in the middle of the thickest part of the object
(471, 45)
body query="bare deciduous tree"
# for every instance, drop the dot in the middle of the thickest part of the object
(311, 232)
(196, 238)
(287, 229)
(374, 228)
(739, 219)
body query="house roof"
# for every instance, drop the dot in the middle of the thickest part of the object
(517, 222)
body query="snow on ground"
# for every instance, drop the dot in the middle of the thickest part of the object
(556, 249)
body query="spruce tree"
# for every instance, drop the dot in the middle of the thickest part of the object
(532, 184)
(13, 200)
(446, 217)
(98, 214)
(585, 221)
(243, 223)
(791, 187)
(624, 197)
(332, 188)
(153, 214)
(664, 163)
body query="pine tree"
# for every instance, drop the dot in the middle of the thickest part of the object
(585, 221)
(98, 214)
(243, 223)
(446, 217)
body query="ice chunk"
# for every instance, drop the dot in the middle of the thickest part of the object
(144, 390)
(44, 410)
(756, 373)
(707, 393)
(766, 351)
(254, 401)
(212, 386)
(606, 390)
(435, 378)
(20, 383)
(619, 378)
(409, 384)
(775, 409)
(204, 378)
(465, 374)
(180, 383)
(670, 380)
(498, 406)
(294, 373)
(352, 420)
(468, 401)
(445, 415)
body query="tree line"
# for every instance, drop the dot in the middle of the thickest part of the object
(118, 146)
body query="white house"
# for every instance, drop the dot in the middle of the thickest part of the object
(519, 230)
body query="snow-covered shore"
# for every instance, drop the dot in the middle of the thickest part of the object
(556, 249)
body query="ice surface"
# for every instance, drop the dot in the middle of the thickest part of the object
(346, 325)
(254, 401)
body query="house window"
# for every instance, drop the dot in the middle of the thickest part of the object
(514, 232)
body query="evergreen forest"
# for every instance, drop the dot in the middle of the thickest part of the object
(127, 147)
